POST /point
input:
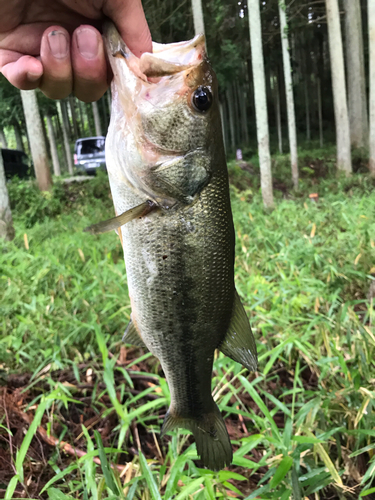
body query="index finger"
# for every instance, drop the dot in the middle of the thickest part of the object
(24, 72)
(129, 17)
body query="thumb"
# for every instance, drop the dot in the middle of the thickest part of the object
(130, 20)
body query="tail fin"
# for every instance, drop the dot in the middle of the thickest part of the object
(211, 436)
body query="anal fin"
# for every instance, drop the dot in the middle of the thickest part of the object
(239, 343)
(131, 336)
(116, 222)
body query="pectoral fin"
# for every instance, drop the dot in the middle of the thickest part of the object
(116, 222)
(131, 336)
(183, 177)
(239, 343)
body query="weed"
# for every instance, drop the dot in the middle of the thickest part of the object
(302, 426)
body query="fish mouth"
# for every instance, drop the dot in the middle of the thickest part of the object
(165, 59)
(146, 83)
(158, 137)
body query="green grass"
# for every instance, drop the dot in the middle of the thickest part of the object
(302, 426)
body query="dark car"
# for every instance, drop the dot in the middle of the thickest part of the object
(16, 163)
(89, 154)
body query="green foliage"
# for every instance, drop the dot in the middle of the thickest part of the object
(32, 206)
(11, 110)
(172, 21)
(317, 169)
(303, 272)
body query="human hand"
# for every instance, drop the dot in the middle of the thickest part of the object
(55, 45)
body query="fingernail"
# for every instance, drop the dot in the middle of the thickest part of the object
(58, 43)
(88, 43)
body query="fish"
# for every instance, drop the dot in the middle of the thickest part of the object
(168, 176)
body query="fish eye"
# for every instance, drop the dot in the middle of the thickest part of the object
(202, 99)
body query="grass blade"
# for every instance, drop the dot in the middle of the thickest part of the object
(107, 472)
(90, 467)
(11, 487)
(328, 463)
(109, 381)
(132, 490)
(175, 473)
(31, 431)
(364, 493)
(190, 488)
(155, 495)
(282, 470)
(295, 484)
(209, 490)
(253, 393)
(55, 494)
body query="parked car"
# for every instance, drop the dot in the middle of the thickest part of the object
(89, 154)
(16, 163)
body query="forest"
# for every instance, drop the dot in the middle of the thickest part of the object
(81, 411)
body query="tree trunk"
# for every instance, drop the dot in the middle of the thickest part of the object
(109, 101)
(65, 127)
(267, 76)
(52, 142)
(37, 142)
(231, 120)
(105, 112)
(3, 139)
(77, 132)
(237, 121)
(88, 110)
(18, 136)
(242, 104)
(46, 141)
(81, 118)
(289, 93)
(223, 126)
(95, 110)
(356, 74)
(56, 125)
(251, 87)
(307, 108)
(59, 135)
(296, 75)
(260, 103)
(344, 161)
(320, 113)
(276, 100)
(198, 17)
(371, 30)
(6, 221)
(66, 111)
(28, 148)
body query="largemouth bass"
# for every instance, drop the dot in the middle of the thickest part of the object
(168, 176)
